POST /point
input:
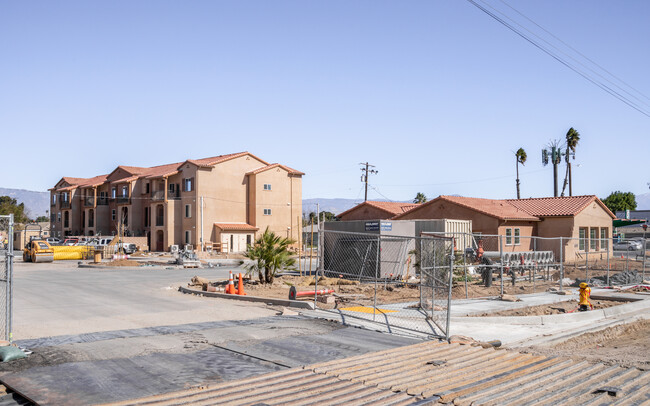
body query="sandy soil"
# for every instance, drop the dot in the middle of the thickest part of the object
(568, 306)
(625, 345)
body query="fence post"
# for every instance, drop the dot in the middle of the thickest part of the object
(644, 248)
(465, 273)
(561, 262)
(311, 251)
(501, 261)
(374, 310)
(608, 247)
(419, 241)
(450, 283)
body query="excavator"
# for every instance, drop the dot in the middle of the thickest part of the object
(38, 251)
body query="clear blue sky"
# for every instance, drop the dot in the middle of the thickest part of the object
(436, 94)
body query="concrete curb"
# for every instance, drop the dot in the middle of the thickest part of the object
(126, 268)
(278, 302)
(558, 318)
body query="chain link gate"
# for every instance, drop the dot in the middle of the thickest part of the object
(6, 273)
(399, 282)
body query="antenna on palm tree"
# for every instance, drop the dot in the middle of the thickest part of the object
(554, 152)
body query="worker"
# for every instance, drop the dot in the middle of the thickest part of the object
(585, 293)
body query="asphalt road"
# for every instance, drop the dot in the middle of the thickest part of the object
(59, 299)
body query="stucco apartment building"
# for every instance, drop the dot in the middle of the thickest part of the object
(584, 221)
(224, 199)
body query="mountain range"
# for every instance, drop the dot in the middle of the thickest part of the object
(37, 203)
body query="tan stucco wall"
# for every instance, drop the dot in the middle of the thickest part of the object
(284, 199)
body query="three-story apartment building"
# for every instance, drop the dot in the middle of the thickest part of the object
(224, 199)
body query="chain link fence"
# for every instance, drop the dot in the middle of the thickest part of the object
(400, 282)
(6, 272)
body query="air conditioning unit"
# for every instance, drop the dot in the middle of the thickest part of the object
(189, 247)
(173, 249)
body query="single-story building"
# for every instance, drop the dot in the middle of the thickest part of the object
(584, 221)
(375, 210)
(24, 232)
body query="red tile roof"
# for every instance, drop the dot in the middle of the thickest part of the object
(394, 208)
(522, 209)
(209, 162)
(557, 206)
(236, 227)
(266, 168)
(500, 209)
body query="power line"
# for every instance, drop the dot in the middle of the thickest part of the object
(602, 86)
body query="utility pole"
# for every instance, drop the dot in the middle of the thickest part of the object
(364, 178)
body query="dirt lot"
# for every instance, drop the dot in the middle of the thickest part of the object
(625, 345)
(568, 306)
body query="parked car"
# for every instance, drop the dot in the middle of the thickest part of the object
(70, 241)
(53, 241)
(129, 248)
(629, 245)
(101, 242)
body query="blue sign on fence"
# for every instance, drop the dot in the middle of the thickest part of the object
(386, 226)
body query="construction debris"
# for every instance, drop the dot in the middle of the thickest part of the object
(509, 298)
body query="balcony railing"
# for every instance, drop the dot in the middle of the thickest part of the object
(65, 205)
(89, 201)
(158, 195)
(174, 195)
(123, 200)
(160, 221)
(102, 201)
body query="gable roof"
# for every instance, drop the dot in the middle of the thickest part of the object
(523, 209)
(557, 206)
(267, 167)
(212, 161)
(392, 208)
(236, 227)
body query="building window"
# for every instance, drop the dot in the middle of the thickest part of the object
(188, 184)
(58, 217)
(508, 236)
(267, 212)
(113, 193)
(52, 218)
(113, 214)
(64, 197)
(146, 188)
(146, 217)
(53, 199)
(91, 218)
(593, 239)
(248, 239)
(125, 192)
(172, 188)
(604, 236)
(517, 238)
(188, 237)
(188, 211)
(582, 237)
(267, 186)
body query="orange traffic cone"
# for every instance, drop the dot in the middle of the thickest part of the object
(240, 287)
(231, 286)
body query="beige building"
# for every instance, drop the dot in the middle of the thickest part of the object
(23, 233)
(584, 222)
(220, 202)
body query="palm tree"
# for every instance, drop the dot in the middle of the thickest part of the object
(521, 156)
(269, 253)
(572, 139)
(420, 198)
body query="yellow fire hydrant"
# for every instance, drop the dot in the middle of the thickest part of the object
(584, 303)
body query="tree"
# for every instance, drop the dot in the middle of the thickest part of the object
(269, 253)
(9, 205)
(420, 198)
(520, 156)
(620, 201)
(572, 139)
(324, 216)
(41, 219)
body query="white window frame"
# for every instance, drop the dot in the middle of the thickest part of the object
(54, 199)
(125, 191)
(604, 238)
(267, 186)
(188, 211)
(582, 240)
(267, 212)
(188, 184)
(593, 242)
(517, 234)
(113, 192)
(508, 236)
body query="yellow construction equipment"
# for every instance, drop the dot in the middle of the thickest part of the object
(38, 251)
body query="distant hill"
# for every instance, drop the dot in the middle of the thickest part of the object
(36, 203)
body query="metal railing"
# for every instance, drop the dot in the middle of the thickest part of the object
(89, 201)
(6, 277)
(123, 200)
(158, 195)
(64, 204)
